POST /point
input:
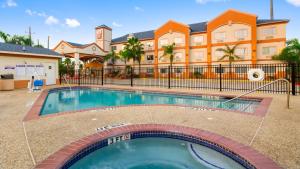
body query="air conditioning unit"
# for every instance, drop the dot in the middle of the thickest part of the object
(240, 39)
(198, 43)
(220, 41)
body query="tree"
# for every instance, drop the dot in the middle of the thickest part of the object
(291, 53)
(16, 39)
(135, 50)
(169, 52)
(230, 54)
(112, 57)
(124, 55)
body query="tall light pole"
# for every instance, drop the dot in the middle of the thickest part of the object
(271, 10)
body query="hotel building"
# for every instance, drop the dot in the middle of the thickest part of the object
(196, 44)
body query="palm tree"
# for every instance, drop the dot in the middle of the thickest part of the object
(4, 36)
(291, 53)
(124, 55)
(16, 39)
(230, 54)
(135, 50)
(112, 57)
(169, 52)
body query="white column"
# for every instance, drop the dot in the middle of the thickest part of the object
(77, 62)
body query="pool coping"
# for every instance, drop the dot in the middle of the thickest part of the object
(34, 112)
(252, 156)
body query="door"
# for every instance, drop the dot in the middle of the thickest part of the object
(50, 74)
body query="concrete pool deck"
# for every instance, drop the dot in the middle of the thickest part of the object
(278, 137)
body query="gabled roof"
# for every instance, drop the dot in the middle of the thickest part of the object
(77, 44)
(7, 47)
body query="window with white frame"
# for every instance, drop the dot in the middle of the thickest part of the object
(199, 55)
(219, 54)
(178, 41)
(269, 31)
(269, 69)
(178, 56)
(150, 57)
(149, 44)
(241, 52)
(163, 70)
(241, 34)
(113, 47)
(220, 36)
(198, 39)
(241, 70)
(149, 70)
(198, 69)
(164, 42)
(270, 50)
(178, 70)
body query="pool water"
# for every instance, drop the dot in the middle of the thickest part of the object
(155, 153)
(86, 98)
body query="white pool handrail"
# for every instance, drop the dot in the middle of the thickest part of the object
(251, 91)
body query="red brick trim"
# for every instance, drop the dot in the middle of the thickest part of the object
(34, 112)
(59, 158)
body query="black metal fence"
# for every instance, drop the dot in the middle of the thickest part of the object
(218, 77)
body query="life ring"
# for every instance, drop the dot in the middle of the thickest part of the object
(256, 75)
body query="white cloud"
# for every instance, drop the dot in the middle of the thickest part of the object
(137, 8)
(51, 20)
(73, 23)
(294, 2)
(35, 13)
(115, 24)
(9, 3)
(207, 1)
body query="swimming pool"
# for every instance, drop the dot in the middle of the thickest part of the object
(155, 153)
(65, 100)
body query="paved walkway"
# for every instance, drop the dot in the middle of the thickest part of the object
(278, 138)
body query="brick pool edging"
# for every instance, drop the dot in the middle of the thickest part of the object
(251, 156)
(34, 112)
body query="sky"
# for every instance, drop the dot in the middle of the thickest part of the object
(75, 20)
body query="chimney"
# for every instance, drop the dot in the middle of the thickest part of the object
(271, 10)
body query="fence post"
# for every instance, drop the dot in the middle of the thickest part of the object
(220, 77)
(131, 77)
(102, 76)
(169, 77)
(293, 78)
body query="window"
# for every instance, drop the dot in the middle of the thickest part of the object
(241, 34)
(149, 70)
(218, 70)
(198, 69)
(164, 42)
(113, 47)
(220, 36)
(178, 57)
(178, 40)
(198, 39)
(269, 69)
(219, 54)
(163, 70)
(149, 44)
(199, 55)
(271, 50)
(178, 70)
(269, 31)
(241, 52)
(150, 57)
(241, 70)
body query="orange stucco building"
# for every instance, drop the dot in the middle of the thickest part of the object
(197, 44)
